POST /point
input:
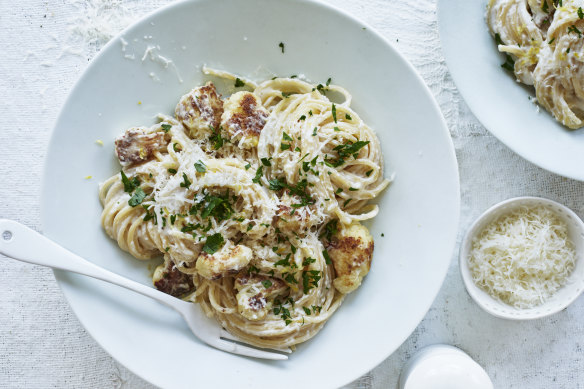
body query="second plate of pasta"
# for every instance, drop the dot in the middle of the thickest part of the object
(486, 77)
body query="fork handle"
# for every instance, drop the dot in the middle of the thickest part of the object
(20, 242)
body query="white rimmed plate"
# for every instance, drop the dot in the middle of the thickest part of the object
(419, 213)
(497, 100)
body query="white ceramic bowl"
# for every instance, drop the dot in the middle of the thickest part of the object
(563, 297)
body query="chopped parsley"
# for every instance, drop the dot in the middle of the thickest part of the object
(239, 83)
(580, 13)
(348, 117)
(334, 112)
(266, 161)
(286, 95)
(266, 283)
(284, 146)
(247, 166)
(213, 243)
(368, 173)
(308, 261)
(276, 184)
(216, 139)
(326, 256)
(314, 131)
(172, 171)
(328, 82)
(330, 229)
(258, 175)
(545, 6)
(509, 63)
(186, 182)
(281, 45)
(286, 136)
(289, 278)
(218, 207)
(551, 40)
(166, 127)
(200, 166)
(353, 189)
(137, 197)
(129, 185)
(303, 117)
(176, 147)
(310, 280)
(344, 151)
(575, 30)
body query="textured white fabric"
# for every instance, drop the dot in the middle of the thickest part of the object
(42, 344)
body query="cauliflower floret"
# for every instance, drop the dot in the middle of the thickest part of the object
(228, 260)
(200, 111)
(289, 218)
(256, 294)
(243, 119)
(138, 145)
(168, 279)
(350, 250)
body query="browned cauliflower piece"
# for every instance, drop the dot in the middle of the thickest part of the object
(256, 293)
(351, 251)
(137, 145)
(200, 111)
(168, 279)
(289, 218)
(228, 260)
(243, 119)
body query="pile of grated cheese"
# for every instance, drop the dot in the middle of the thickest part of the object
(523, 258)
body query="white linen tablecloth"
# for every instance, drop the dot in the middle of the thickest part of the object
(42, 344)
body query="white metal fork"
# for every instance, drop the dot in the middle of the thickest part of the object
(20, 242)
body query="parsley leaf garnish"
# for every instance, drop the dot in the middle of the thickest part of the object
(239, 83)
(166, 127)
(509, 63)
(186, 183)
(286, 136)
(266, 161)
(258, 175)
(137, 197)
(334, 112)
(575, 30)
(217, 207)
(213, 243)
(216, 138)
(326, 256)
(266, 283)
(200, 166)
(129, 185)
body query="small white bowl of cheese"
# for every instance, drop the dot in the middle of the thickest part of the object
(523, 258)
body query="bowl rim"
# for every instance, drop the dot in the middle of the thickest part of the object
(479, 296)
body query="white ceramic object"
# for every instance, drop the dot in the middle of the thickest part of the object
(20, 242)
(563, 297)
(496, 99)
(418, 213)
(443, 367)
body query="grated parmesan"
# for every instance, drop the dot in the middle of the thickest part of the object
(523, 258)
